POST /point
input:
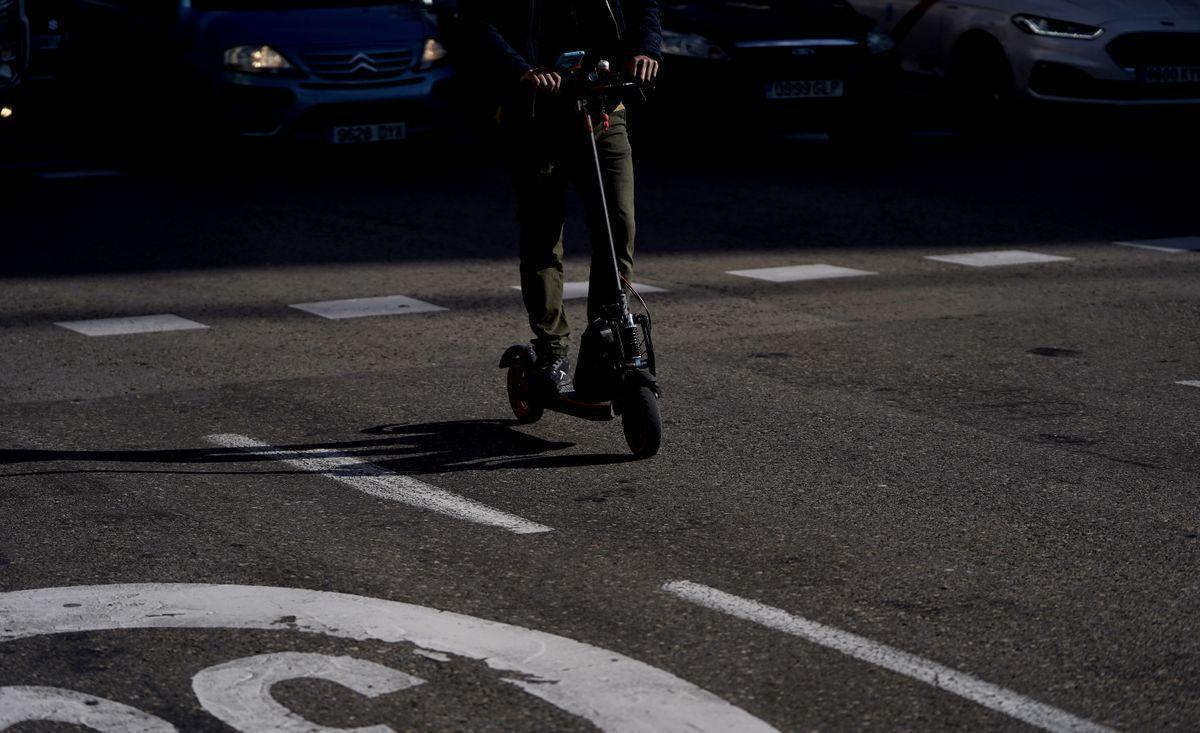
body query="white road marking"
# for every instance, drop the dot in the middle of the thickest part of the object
(239, 692)
(386, 305)
(384, 484)
(65, 175)
(580, 289)
(1190, 383)
(1171, 244)
(994, 259)
(612, 691)
(962, 684)
(131, 325)
(794, 273)
(26, 704)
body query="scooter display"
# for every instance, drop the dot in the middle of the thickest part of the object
(615, 373)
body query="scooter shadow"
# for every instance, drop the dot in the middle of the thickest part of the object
(477, 445)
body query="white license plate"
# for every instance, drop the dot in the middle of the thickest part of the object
(355, 134)
(1171, 74)
(806, 89)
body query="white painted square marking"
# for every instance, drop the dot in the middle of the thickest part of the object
(1171, 244)
(65, 175)
(1190, 383)
(580, 289)
(130, 325)
(386, 305)
(994, 259)
(794, 273)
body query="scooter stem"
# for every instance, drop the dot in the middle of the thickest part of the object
(622, 300)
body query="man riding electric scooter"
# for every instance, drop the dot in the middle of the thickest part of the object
(516, 43)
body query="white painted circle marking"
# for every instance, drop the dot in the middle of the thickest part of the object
(24, 704)
(614, 692)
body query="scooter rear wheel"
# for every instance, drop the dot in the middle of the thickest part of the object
(641, 421)
(524, 408)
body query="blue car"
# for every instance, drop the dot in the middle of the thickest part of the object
(337, 71)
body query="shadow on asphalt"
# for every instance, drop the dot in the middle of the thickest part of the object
(413, 449)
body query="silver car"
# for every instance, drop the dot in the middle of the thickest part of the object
(339, 71)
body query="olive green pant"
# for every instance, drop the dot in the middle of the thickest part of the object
(549, 155)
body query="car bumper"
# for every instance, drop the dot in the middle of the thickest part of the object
(273, 107)
(1110, 69)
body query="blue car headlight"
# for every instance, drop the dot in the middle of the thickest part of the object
(691, 45)
(879, 42)
(256, 60)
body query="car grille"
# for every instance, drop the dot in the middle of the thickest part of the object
(359, 65)
(1141, 49)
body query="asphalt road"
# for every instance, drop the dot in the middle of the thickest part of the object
(933, 496)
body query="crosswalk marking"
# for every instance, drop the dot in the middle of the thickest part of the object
(386, 305)
(1170, 244)
(579, 289)
(794, 273)
(1190, 383)
(65, 175)
(999, 258)
(130, 325)
(382, 483)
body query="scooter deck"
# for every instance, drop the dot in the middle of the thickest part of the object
(570, 404)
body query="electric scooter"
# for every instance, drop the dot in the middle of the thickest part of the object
(615, 373)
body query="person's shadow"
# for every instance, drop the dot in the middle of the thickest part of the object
(419, 448)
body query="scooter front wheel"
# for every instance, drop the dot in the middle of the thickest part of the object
(641, 421)
(519, 398)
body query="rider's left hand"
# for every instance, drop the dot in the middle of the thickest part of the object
(643, 68)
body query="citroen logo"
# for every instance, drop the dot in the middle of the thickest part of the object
(361, 62)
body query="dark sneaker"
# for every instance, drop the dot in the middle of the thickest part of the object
(551, 373)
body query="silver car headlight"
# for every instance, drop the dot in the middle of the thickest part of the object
(432, 53)
(1052, 28)
(879, 42)
(256, 60)
(691, 45)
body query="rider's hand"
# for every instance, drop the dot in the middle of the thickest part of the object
(543, 79)
(643, 68)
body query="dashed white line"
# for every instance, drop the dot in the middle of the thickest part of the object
(962, 684)
(382, 483)
(999, 258)
(386, 305)
(1190, 383)
(131, 325)
(65, 175)
(794, 273)
(1170, 244)
(580, 289)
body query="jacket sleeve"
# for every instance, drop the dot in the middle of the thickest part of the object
(644, 32)
(481, 32)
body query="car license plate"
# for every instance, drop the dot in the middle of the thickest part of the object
(355, 134)
(1171, 74)
(806, 89)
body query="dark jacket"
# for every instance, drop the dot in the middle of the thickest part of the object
(505, 40)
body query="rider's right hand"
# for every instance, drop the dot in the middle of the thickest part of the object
(543, 79)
